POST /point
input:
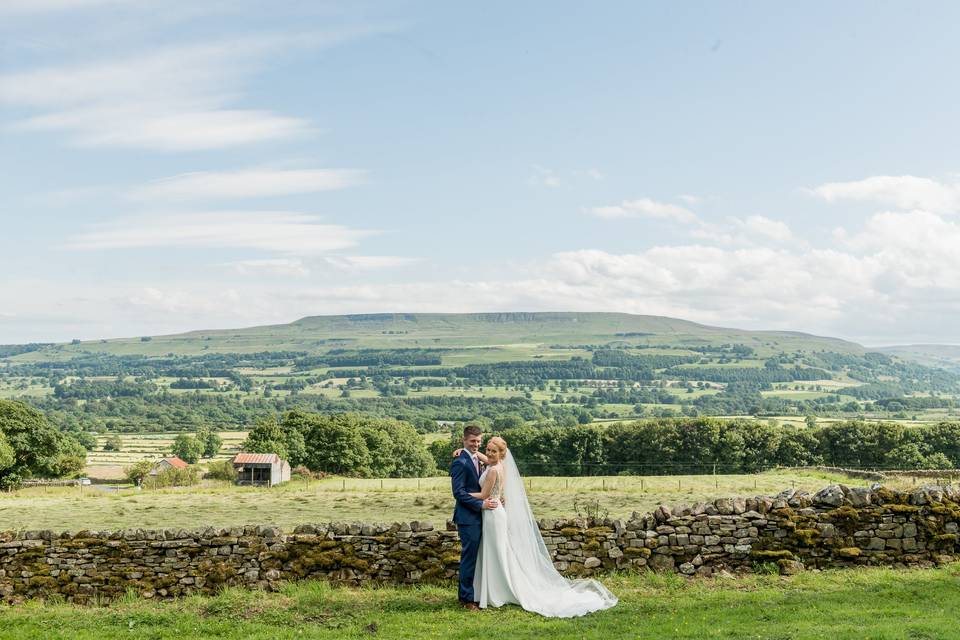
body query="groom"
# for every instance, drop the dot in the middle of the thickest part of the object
(465, 478)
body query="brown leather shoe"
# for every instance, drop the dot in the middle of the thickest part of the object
(470, 606)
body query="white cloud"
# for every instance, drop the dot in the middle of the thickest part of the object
(271, 266)
(765, 228)
(301, 267)
(365, 263)
(645, 208)
(904, 192)
(266, 230)
(172, 99)
(247, 183)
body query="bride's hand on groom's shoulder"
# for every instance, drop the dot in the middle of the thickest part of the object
(457, 452)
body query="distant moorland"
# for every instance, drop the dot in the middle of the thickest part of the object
(547, 368)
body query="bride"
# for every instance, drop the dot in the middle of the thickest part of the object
(513, 564)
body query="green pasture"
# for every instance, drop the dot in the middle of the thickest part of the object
(848, 604)
(220, 504)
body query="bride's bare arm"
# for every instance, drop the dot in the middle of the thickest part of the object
(487, 485)
(480, 456)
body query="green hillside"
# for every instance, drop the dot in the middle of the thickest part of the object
(430, 369)
(946, 356)
(316, 334)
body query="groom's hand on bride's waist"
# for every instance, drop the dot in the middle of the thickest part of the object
(491, 503)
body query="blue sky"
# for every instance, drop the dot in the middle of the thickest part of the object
(168, 166)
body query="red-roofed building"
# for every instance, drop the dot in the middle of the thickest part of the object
(262, 469)
(170, 462)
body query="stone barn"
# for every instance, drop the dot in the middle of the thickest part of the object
(261, 469)
(170, 462)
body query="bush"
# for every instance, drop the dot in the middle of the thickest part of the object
(305, 474)
(221, 470)
(173, 477)
(136, 472)
(113, 443)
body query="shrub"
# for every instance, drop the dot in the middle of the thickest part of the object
(173, 477)
(305, 473)
(221, 470)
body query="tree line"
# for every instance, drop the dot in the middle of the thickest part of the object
(709, 445)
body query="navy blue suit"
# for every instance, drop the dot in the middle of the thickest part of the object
(468, 517)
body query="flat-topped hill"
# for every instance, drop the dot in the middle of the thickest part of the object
(450, 330)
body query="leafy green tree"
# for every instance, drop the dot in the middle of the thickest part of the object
(187, 448)
(36, 445)
(509, 421)
(70, 460)
(136, 472)
(211, 442)
(335, 444)
(938, 461)
(113, 443)
(398, 448)
(266, 437)
(383, 462)
(7, 454)
(906, 456)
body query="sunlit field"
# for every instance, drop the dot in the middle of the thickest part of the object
(220, 504)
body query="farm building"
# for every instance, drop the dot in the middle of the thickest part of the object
(262, 469)
(170, 462)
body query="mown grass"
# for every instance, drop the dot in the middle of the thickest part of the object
(869, 603)
(354, 499)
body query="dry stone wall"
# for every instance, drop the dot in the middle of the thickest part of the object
(838, 526)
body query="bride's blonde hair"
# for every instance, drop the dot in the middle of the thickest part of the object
(499, 444)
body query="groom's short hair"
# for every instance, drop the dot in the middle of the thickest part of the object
(472, 430)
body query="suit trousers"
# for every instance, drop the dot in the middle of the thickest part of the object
(469, 547)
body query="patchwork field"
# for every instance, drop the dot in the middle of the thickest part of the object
(109, 465)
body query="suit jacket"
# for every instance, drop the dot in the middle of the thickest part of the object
(464, 479)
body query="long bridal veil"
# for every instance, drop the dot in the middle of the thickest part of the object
(550, 594)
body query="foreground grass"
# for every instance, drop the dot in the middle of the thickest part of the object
(335, 499)
(870, 603)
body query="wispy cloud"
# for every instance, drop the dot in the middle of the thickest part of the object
(902, 192)
(301, 267)
(172, 99)
(26, 7)
(246, 183)
(366, 263)
(544, 177)
(270, 266)
(645, 208)
(266, 230)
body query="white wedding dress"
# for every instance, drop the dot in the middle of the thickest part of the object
(514, 565)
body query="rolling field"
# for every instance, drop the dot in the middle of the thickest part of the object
(845, 604)
(219, 504)
(109, 465)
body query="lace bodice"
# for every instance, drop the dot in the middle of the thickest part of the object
(497, 489)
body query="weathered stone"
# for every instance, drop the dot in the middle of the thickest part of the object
(661, 562)
(831, 496)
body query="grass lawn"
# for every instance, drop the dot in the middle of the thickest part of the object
(867, 603)
(353, 500)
